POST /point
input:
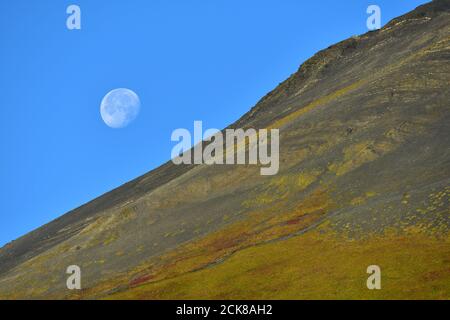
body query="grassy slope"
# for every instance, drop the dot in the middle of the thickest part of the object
(318, 266)
(259, 258)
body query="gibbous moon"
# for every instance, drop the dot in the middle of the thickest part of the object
(120, 107)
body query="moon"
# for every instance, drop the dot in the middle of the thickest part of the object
(120, 107)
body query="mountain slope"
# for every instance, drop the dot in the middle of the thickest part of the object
(364, 179)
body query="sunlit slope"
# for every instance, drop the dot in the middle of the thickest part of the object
(317, 265)
(364, 179)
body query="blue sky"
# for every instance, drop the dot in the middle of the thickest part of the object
(187, 60)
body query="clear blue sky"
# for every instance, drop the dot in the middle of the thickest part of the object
(187, 60)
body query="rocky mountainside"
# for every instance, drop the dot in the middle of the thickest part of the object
(364, 180)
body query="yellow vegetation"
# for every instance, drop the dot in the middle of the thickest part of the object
(318, 266)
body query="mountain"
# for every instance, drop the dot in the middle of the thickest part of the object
(364, 180)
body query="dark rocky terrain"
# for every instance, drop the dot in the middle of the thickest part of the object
(364, 179)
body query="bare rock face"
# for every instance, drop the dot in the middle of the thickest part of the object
(364, 179)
